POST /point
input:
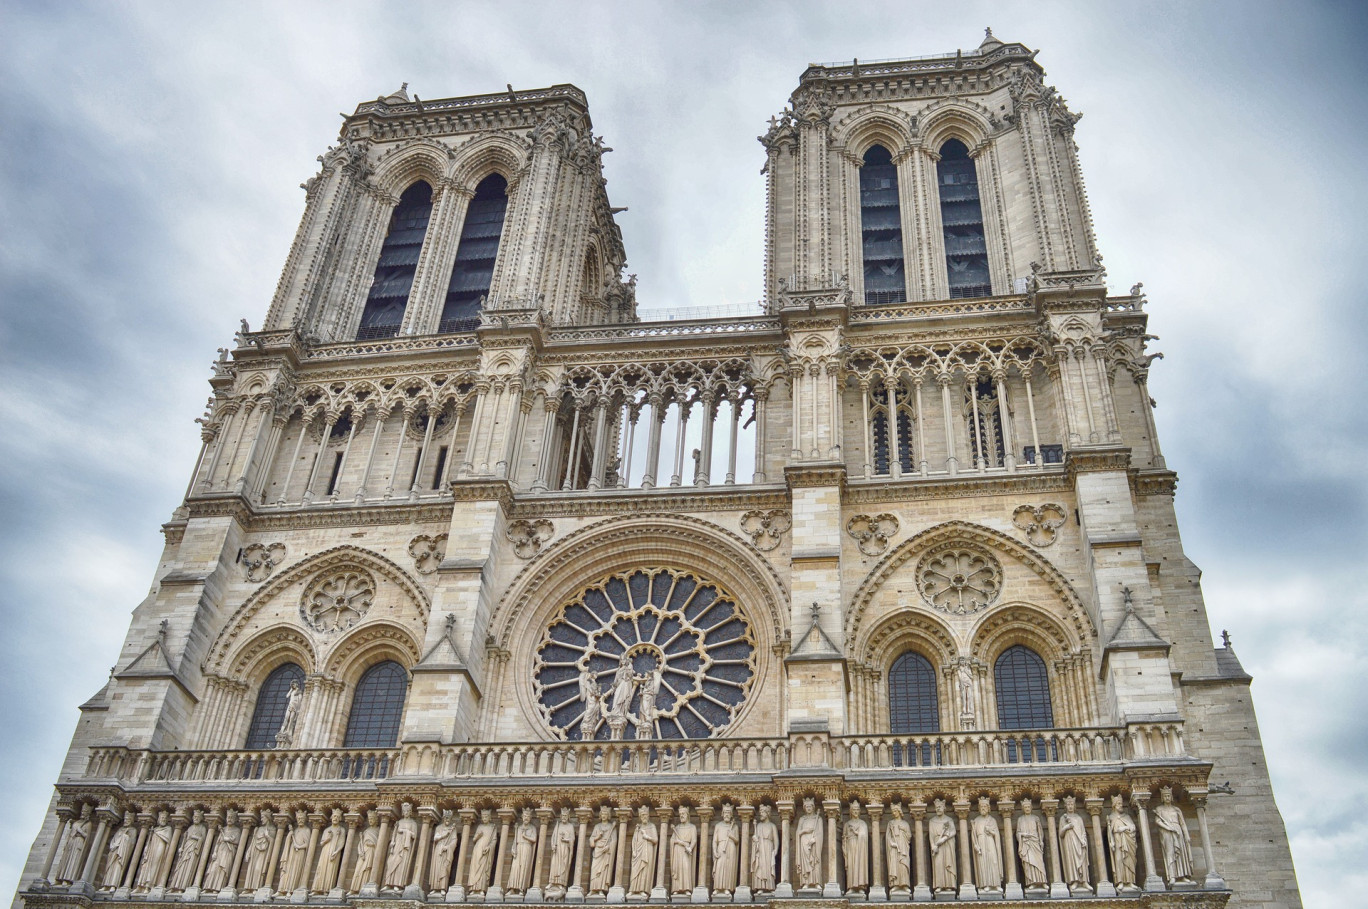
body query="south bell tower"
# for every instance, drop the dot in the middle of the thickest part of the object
(488, 588)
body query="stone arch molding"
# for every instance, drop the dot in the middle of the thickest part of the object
(233, 646)
(419, 159)
(954, 120)
(879, 124)
(1075, 621)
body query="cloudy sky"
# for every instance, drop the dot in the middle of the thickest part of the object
(151, 157)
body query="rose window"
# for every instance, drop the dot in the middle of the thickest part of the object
(645, 654)
(959, 580)
(338, 599)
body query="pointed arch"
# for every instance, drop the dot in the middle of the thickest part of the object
(419, 159)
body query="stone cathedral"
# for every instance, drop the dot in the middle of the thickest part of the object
(488, 588)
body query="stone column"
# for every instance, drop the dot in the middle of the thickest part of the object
(703, 471)
(618, 892)
(1005, 420)
(1030, 409)
(730, 479)
(761, 395)
(951, 462)
(921, 891)
(599, 464)
(495, 892)
(1214, 881)
(417, 885)
(456, 892)
(832, 888)
(398, 453)
(41, 884)
(575, 892)
(1057, 886)
(282, 821)
(1011, 890)
(1104, 885)
(682, 431)
(784, 887)
(967, 890)
(661, 892)
(551, 406)
(212, 823)
(96, 849)
(704, 878)
(743, 890)
(178, 823)
(648, 479)
(328, 422)
(372, 886)
(1153, 882)
(534, 893)
(878, 892)
(131, 872)
(245, 824)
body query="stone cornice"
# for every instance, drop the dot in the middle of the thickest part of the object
(1154, 482)
(873, 492)
(820, 473)
(633, 501)
(1096, 460)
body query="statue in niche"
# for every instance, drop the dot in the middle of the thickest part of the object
(764, 851)
(726, 852)
(602, 846)
(1175, 841)
(293, 699)
(965, 675)
(1121, 831)
(855, 851)
(294, 863)
(259, 853)
(808, 846)
(403, 841)
(1030, 835)
(187, 858)
(1073, 845)
(78, 833)
(524, 854)
(941, 829)
(623, 688)
(683, 844)
(899, 838)
(330, 846)
(120, 848)
(987, 840)
(645, 839)
(221, 859)
(154, 852)
(562, 854)
(482, 845)
(444, 838)
(365, 851)
(593, 704)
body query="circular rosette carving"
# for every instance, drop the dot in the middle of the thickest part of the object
(337, 600)
(645, 654)
(958, 578)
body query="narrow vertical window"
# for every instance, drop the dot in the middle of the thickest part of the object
(881, 229)
(985, 432)
(912, 705)
(377, 707)
(1023, 690)
(882, 432)
(271, 702)
(393, 280)
(966, 251)
(473, 271)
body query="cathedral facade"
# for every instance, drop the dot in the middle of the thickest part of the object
(488, 589)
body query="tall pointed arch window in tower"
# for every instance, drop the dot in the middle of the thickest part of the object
(473, 271)
(966, 250)
(389, 292)
(885, 278)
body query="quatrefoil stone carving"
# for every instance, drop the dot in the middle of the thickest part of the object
(766, 528)
(1039, 524)
(260, 559)
(872, 532)
(527, 537)
(427, 552)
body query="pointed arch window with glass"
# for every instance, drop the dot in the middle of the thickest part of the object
(377, 707)
(966, 249)
(389, 291)
(472, 273)
(885, 278)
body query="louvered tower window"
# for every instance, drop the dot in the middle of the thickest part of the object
(966, 250)
(473, 271)
(377, 707)
(393, 280)
(882, 433)
(912, 707)
(271, 702)
(1023, 690)
(881, 229)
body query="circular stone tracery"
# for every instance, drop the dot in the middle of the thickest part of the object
(651, 653)
(336, 600)
(959, 579)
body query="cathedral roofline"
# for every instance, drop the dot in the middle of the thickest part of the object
(508, 100)
(990, 54)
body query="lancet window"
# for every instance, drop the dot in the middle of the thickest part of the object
(885, 278)
(1023, 690)
(912, 701)
(473, 271)
(966, 250)
(984, 422)
(272, 700)
(389, 292)
(377, 707)
(889, 437)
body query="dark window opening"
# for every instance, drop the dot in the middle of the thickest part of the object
(985, 437)
(912, 705)
(393, 280)
(377, 707)
(337, 468)
(473, 271)
(966, 249)
(271, 702)
(881, 431)
(441, 466)
(1051, 454)
(1023, 690)
(885, 279)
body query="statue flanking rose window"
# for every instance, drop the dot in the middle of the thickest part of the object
(648, 654)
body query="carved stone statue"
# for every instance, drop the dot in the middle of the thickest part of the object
(683, 846)
(524, 854)
(154, 852)
(603, 847)
(187, 858)
(562, 854)
(1073, 845)
(645, 839)
(482, 844)
(330, 846)
(78, 833)
(293, 699)
(294, 873)
(593, 704)
(764, 851)
(258, 858)
(1121, 832)
(221, 859)
(941, 829)
(899, 838)
(987, 840)
(1031, 847)
(624, 687)
(444, 839)
(120, 848)
(855, 850)
(650, 692)
(965, 676)
(726, 852)
(366, 846)
(808, 847)
(1175, 841)
(403, 843)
